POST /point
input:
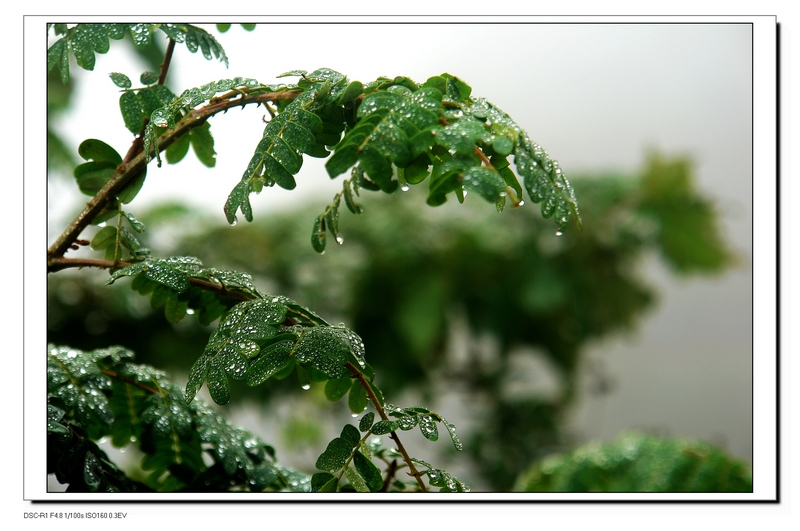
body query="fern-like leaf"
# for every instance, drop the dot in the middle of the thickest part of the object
(86, 40)
(294, 131)
(196, 38)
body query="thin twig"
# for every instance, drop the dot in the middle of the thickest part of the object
(58, 264)
(375, 402)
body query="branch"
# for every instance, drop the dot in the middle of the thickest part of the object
(137, 164)
(57, 264)
(371, 394)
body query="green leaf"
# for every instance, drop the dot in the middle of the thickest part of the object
(64, 64)
(463, 135)
(178, 150)
(357, 401)
(335, 455)
(149, 78)
(351, 435)
(332, 222)
(197, 375)
(132, 113)
(318, 235)
(120, 80)
(349, 200)
(166, 275)
(217, 382)
(503, 145)
(137, 225)
(382, 427)
(272, 360)
(451, 429)
(99, 151)
(131, 190)
(203, 145)
(349, 95)
(355, 480)
(92, 176)
(54, 54)
(367, 470)
(336, 388)
(366, 422)
(485, 182)
(105, 237)
(175, 309)
(239, 199)
(428, 427)
(324, 482)
(323, 348)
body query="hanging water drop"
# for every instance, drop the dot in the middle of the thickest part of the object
(306, 387)
(234, 222)
(404, 187)
(339, 240)
(559, 232)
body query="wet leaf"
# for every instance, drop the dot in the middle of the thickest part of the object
(336, 388)
(324, 482)
(367, 470)
(107, 236)
(357, 401)
(335, 455)
(382, 427)
(132, 113)
(428, 427)
(120, 80)
(366, 422)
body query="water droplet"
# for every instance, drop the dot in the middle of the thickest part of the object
(339, 240)
(404, 187)
(559, 232)
(189, 311)
(234, 222)
(354, 415)
(306, 387)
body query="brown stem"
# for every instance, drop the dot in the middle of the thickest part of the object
(390, 472)
(162, 75)
(112, 374)
(57, 264)
(357, 374)
(137, 164)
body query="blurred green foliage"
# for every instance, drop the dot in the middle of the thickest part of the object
(639, 463)
(405, 276)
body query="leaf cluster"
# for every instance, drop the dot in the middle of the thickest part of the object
(102, 393)
(351, 456)
(258, 338)
(639, 463)
(83, 41)
(395, 133)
